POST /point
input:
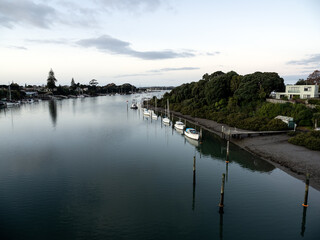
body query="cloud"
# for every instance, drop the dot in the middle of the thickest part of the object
(131, 5)
(48, 41)
(213, 53)
(312, 59)
(174, 69)
(18, 47)
(135, 75)
(17, 12)
(116, 46)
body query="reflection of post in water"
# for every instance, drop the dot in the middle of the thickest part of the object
(222, 195)
(305, 205)
(221, 225)
(227, 157)
(194, 183)
(53, 111)
(303, 224)
(227, 169)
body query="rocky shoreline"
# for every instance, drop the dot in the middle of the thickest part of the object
(294, 160)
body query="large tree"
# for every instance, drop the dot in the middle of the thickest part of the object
(51, 81)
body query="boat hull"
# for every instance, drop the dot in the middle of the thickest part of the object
(188, 133)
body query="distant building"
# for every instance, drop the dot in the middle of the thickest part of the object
(302, 91)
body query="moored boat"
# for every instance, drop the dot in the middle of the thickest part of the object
(192, 133)
(146, 112)
(179, 125)
(153, 115)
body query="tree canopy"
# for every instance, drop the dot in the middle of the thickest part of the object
(51, 81)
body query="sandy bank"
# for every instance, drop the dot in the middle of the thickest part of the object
(292, 159)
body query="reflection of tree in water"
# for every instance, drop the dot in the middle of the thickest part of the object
(215, 147)
(53, 111)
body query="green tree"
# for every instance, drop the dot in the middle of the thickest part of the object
(73, 84)
(93, 82)
(51, 81)
(301, 82)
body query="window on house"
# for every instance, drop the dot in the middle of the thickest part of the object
(307, 89)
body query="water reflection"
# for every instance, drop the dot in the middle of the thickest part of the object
(211, 146)
(303, 224)
(53, 112)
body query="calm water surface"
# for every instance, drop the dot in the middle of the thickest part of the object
(90, 169)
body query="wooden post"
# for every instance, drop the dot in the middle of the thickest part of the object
(172, 121)
(200, 133)
(194, 163)
(227, 160)
(222, 194)
(305, 203)
(222, 132)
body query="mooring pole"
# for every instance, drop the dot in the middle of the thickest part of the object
(221, 226)
(172, 121)
(227, 160)
(222, 194)
(200, 133)
(305, 203)
(222, 133)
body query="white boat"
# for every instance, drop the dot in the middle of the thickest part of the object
(192, 133)
(134, 106)
(146, 112)
(179, 125)
(153, 115)
(166, 120)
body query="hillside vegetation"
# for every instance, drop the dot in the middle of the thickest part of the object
(236, 100)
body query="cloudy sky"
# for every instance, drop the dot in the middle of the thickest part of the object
(156, 42)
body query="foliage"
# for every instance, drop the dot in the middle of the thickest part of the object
(314, 101)
(51, 81)
(301, 82)
(309, 140)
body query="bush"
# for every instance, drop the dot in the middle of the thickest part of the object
(276, 125)
(314, 101)
(309, 140)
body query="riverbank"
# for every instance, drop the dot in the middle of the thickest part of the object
(294, 160)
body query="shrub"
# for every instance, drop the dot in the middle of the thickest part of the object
(309, 140)
(276, 125)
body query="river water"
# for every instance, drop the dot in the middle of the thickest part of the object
(92, 169)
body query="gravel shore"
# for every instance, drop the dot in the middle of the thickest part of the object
(294, 160)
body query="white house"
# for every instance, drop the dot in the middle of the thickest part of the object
(303, 91)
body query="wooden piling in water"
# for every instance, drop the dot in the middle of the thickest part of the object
(194, 163)
(227, 157)
(222, 194)
(200, 133)
(305, 203)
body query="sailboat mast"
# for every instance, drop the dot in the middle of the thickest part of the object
(168, 108)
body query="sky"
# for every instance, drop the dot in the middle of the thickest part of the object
(156, 42)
